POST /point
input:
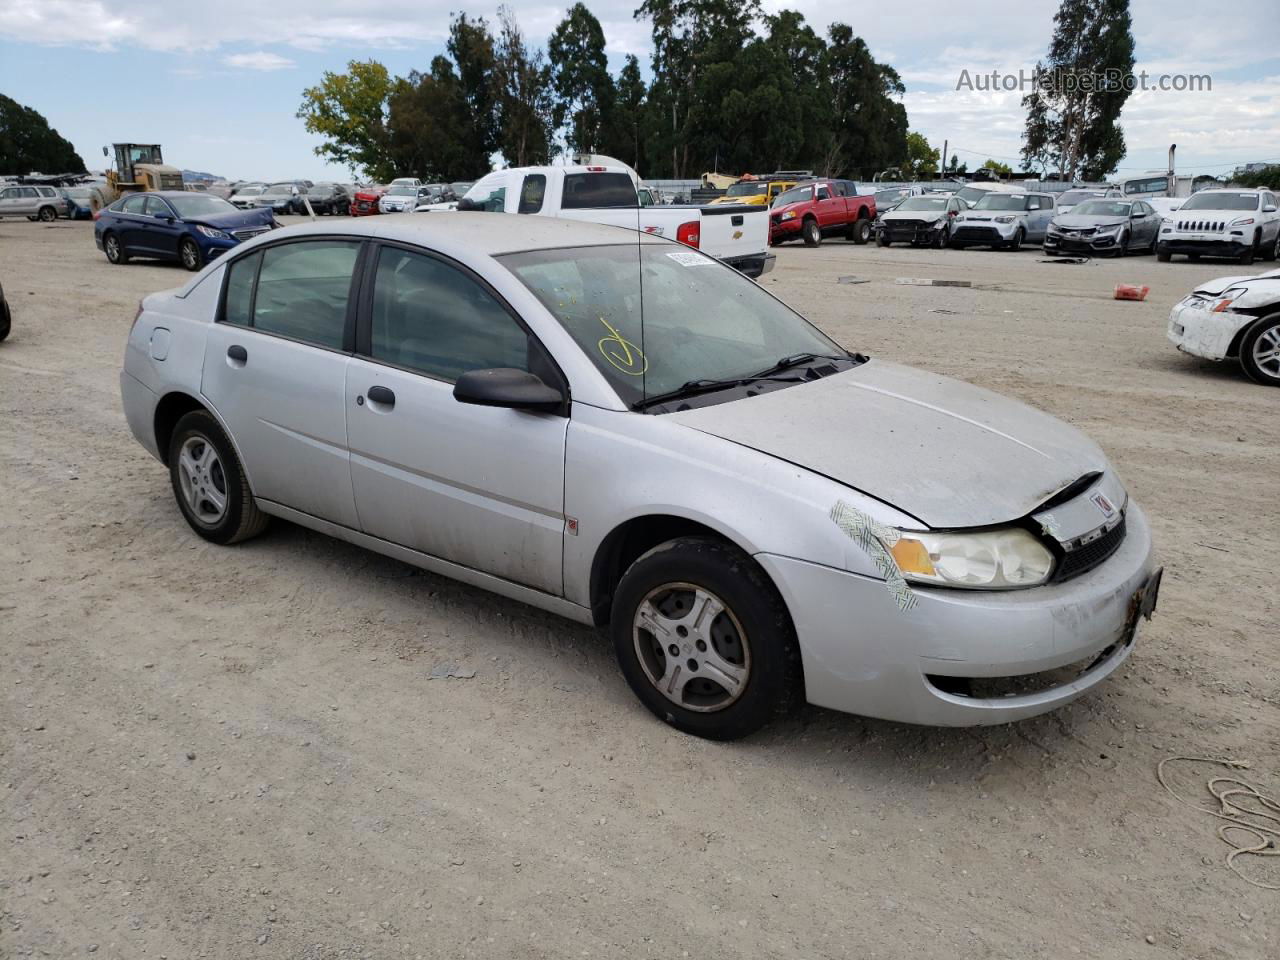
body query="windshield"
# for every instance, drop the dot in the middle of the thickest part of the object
(1222, 201)
(279, 189)
(1102, 208)
(402, 190)
(923, 203)
(888, 196)
(702, 320)
(79, 193)
(794, 195)
(200, 205)
(1001, 201)
(1072, 197)
(756, 189)
(249, 192)
(971, 195)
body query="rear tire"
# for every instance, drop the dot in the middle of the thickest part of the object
(47, 215)
(687, 609)
(1273, 252)
(861, 231)
(6, 319)
(209, 483)
(812, 234)
(1260, 351)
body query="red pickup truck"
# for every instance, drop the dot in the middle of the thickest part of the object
(822, 208)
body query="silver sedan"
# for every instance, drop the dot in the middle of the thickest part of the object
(619, 429)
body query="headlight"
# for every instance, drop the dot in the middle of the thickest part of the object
(1227, 298)
(212, 233)
(1242, 222)
(789, 215)
(1005, 219)
(940, 222)
(987, 560)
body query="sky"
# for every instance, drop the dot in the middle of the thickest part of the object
(218, 84)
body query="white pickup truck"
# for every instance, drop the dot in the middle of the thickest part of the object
(737, 235)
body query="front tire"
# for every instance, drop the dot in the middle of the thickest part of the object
(1246, 258)
(190, 255)
(209, 483)
(1260, 351)
(1122, 249)
(1016, 243)
(883, 240)
(704, 640)
(812, 234)
(1163, 255)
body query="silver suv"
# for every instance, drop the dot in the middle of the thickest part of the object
(34, 203)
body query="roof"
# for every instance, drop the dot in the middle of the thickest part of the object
(493, 234)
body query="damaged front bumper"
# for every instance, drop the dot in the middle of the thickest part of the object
(966, 657)
(1195, 329)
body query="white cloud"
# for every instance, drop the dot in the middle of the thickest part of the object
(258, 60)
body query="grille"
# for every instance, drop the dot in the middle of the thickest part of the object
(1085, 558)
(248, 232)
(976, 233)
(1202, 226)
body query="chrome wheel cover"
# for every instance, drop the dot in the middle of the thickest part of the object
(190, 255)
(691, 647)
(202, 480)
(1266, 351)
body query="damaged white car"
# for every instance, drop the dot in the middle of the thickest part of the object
(1233, 318)
(624, 431)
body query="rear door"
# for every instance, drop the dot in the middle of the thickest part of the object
(10, 201)
(478, 486)
(275, 370)
(133, 224)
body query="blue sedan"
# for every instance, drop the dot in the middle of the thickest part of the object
(191, 228)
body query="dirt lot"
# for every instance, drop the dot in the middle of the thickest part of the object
(237, 752)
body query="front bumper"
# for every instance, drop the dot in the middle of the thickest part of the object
(754, 266)
(983, 232)
(1195, 329)
(864, 655)
(908, 231)
(1075, 243)
(1226, 246)
(780, 230)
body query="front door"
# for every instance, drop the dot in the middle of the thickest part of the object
(164, 229)
(275, 369)
(479, 486)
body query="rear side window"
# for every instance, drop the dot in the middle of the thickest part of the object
(134, 204)
(238, 304)
(433, 318)
(531, 194)
(301, 291)
(584, 191)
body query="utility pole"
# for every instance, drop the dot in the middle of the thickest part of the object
(945, 144)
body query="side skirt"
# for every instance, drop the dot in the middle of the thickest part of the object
(513, 591)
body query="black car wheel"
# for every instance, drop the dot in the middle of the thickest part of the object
(190, 254)
(1016, 242)
(6, 320)
(862, 231)
(812, 233)
(1123, 248)
(1260, 351)
(113, 248)
(47, 214)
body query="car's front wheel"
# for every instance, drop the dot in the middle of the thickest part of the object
(704, 639)
(812, 233)
(1163, 255)
(1260, 351)
(190, 254)
(1016, 242)
(209, 483)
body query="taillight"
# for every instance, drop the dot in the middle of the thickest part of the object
(690, 233)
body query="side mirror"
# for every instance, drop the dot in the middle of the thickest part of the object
(505, 387)
(1270, 208)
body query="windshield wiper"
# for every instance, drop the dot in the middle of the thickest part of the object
(799, 359)
(694, 387)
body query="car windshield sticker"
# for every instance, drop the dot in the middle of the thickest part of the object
(621, 352)
(875, 538)
(690, 259)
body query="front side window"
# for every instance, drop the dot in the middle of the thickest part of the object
(157, 208)
(824, 192)
(700, 320)
(432, 318)
(489, 194)
(301, 292)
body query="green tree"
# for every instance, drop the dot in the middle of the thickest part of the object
(623, 128)
(29, 145)
(998, 168)
(868, 129)
(584, 91)
(522, 80)
(349, 111)
(1268, 177)
(472, 47)
(429, 125)
(1073, 112)
(922, 159)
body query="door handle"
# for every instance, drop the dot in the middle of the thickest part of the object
(238, 353)
(383, 395)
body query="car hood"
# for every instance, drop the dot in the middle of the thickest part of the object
(1214, 215)
(950, 454)
(233, 221)
(1087, 220)
(930, 215)
(1270, 284)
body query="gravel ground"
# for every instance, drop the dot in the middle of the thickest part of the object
(237, 752)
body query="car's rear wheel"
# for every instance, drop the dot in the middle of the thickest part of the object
(113, 248)
(861, 231)
(811, 233)
(6, 319)
(1260, 351)
(1273, 251)
(209, 483)
(47, 214)
(190, 254)
(704, 639)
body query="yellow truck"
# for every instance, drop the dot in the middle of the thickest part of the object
(759, 191)
(139, 167)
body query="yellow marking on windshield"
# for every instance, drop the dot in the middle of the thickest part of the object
(621, 352)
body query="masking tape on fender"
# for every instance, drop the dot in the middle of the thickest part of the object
(871, 536)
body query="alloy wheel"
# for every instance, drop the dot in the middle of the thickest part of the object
(1266, 351)
(190, 255)
(113, 248)
(692, 647)
(203, 482)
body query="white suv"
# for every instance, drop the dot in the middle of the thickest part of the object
(1241, 224)
(32, 202)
